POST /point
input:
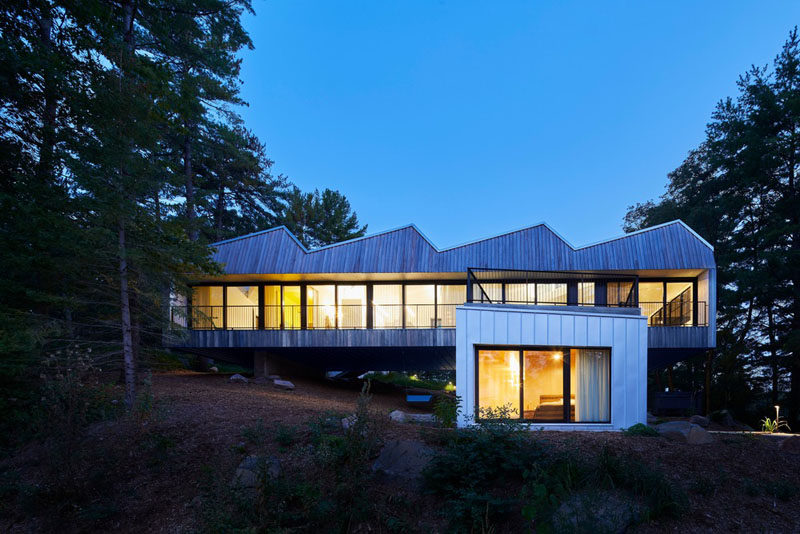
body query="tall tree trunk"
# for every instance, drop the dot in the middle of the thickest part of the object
(129, 365)
(188, 173)
(220, 210)
(773, 355)
(128, 360)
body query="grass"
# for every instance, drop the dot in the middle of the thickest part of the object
(405, 380)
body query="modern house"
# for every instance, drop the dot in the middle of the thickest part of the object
(562, 336)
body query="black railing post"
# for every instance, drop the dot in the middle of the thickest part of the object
(469, 285)
(260, 312)
(370, 321)
(303, 308)
(224, 308)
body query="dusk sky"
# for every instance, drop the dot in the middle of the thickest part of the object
(474, 118)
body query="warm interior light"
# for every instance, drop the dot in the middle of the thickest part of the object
(556, 355)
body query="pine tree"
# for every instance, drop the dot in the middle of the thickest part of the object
(740, 190)
(319, 219)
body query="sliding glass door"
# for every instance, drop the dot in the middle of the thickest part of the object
(545, 384)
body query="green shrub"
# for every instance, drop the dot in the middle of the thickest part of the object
(663, 498)
(640, 429)
(285, 436)
(405, 380)
(333, 496)
(476, 471)
(255, 433)
(446, 409)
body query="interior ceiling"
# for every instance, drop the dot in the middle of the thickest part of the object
(386, 277)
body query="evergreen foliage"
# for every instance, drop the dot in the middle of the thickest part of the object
(739, 189)
(122, 157)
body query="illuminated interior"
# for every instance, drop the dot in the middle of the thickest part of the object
(498, 380)
(321, 303)
(207, 307)
(387, 311)
(548, 377)
(352, 306)
(420, 309)
(292, 311)
(619, 293)
(680, 301)
(447, 298)
(543, 395)
(586, 294)
(242, 310)
(272, 307)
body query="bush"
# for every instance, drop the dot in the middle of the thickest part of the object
(446, 409)
(477, 469)
(641, 430)
(334, 495)
(404, 380)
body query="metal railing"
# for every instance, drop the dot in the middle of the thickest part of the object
(675, 313)
(317, 317)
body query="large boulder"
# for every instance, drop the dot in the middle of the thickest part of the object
(400, 416)
(724, 418)
(248, 473)
(237, 378)
(699, 420)
(283, 384)
(403, 458)
(790, 445)
(684, 432)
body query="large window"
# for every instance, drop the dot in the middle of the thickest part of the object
(619, 294)
(554, 384)
(243, 309)
(352, 306)
(321, 302)
(447, 299)
(680, 299)
(498, 382)
(207, 306)
(547, 293)
(387, 306)
(272, 307)
(420, 308)
(292, 308)
(651, 302)
(666, 303)
(543, 395)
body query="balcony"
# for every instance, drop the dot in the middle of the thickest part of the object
(316, 317)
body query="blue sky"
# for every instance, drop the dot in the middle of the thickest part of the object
(470, 118)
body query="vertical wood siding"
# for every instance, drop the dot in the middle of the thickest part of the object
(276, 251)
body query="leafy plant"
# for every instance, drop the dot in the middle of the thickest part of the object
(285, 436)
(255, 433)
(774, 425)
(446, 409)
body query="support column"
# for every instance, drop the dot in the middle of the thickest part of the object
(709, 359)
(263, 364)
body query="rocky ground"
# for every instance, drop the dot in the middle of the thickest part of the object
(203, 428)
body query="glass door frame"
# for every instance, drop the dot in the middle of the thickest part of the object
(567, 383)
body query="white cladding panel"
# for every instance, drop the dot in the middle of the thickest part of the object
(625, 335)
